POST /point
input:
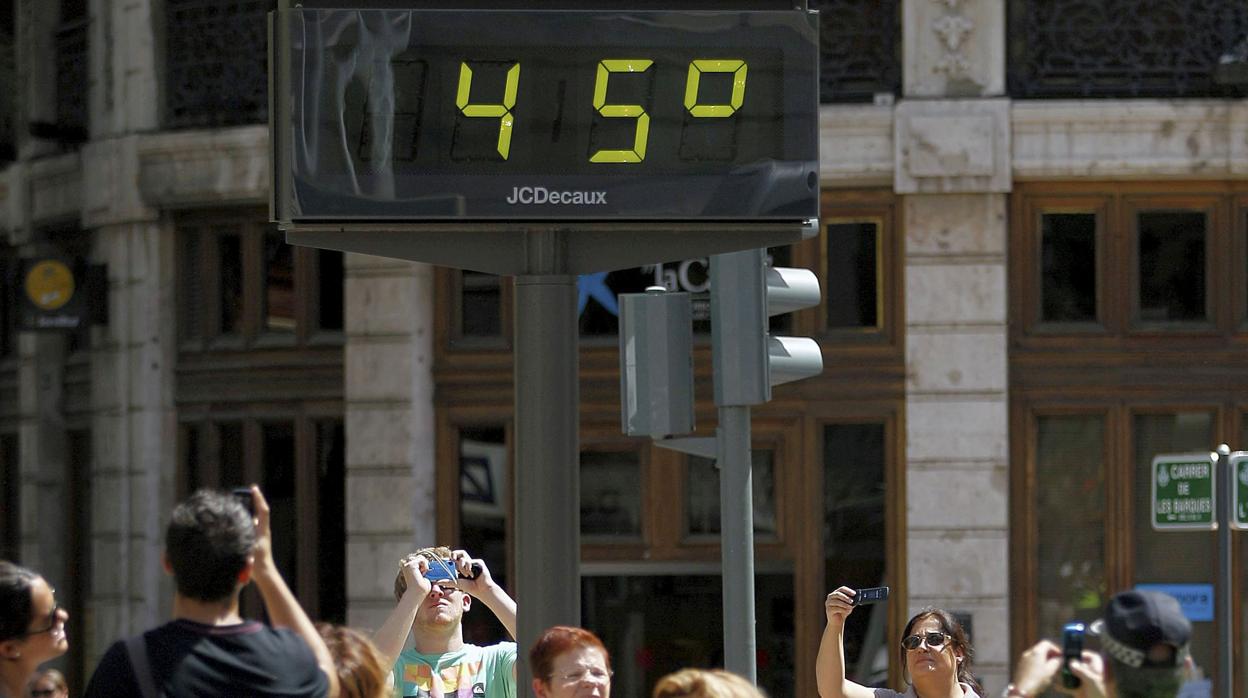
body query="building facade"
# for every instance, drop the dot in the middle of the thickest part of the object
(1034, 252)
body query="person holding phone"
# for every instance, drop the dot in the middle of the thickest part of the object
(434, 588)
(214, 547)
(1145, 653)
(934, 654)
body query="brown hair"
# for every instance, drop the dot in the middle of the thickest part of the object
(557, 640)
(705, 683)
(440, 552)
(361, 668)
(951, 627)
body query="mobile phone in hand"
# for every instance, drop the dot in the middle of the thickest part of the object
(243, 494)
(1072, 648)
(870, 595)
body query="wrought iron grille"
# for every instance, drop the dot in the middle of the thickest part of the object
(216, 53)
(71, 80)
(1123, 48)
(860, 49)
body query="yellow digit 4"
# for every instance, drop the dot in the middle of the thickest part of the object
(696, 68)
(500, 111)
(637, 111)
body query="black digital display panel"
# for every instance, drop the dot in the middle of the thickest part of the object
(514, 115)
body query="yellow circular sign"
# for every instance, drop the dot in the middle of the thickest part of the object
(49, 284)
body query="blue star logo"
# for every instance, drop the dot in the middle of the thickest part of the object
(595, 286)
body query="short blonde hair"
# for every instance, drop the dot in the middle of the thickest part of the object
(705, 683)
(440, 552)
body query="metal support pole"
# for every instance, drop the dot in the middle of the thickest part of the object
(1223, 486)
(736, 516)
(547, 468)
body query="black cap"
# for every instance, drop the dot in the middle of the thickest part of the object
(1136, 621)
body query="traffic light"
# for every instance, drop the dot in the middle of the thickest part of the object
(656, 363)
(745, 291)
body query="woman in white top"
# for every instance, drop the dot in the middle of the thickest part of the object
(935, 656)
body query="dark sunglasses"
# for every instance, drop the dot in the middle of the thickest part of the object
(934, 640)
(52, 618)
(43, 692)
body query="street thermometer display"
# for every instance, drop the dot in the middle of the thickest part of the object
(475, 114)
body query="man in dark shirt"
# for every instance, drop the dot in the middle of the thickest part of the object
(213, 548)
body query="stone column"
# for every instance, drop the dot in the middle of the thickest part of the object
(134, 422)
(133, 360)
(42, 455)
(391, 482)
(952, 140)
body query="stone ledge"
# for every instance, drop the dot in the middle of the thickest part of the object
(55, 188)
(203, 168)
(856, 145)
(1140, 139)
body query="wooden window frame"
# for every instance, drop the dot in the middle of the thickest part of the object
(811, 586)
(1216, 295)
(251, 228)
(1117, 205)
(252, 419)
(1229, 417)
(875, 207)
(1028, 306)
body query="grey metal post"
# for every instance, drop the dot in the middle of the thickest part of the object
(736, 516)
(547, 468)
(1223, 486)
(739, 352)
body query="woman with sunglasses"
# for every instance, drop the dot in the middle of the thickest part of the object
(570, 662)
(934, 654)
(32, 627)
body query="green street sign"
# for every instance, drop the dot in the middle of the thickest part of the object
(1183, 491)
(1239, 486)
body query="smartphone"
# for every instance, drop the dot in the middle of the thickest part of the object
(870, 595)
(243, 494)
(1072, 648)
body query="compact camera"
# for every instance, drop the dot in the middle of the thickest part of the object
(441, 570)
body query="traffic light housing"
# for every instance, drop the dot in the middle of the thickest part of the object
(745, 292)
(656, 363)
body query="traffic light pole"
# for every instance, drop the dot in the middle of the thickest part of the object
(547, 495)
(736, 516)
(739, 347)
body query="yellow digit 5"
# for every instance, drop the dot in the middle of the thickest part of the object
(637, 111)
(696, 68)
(500, 111)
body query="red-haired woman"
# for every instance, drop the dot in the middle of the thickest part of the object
(570, 663)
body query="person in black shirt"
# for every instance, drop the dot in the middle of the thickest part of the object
(213, 548)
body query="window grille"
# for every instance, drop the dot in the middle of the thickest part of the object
(1124, 48)
(860, 49)
(216, 62)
